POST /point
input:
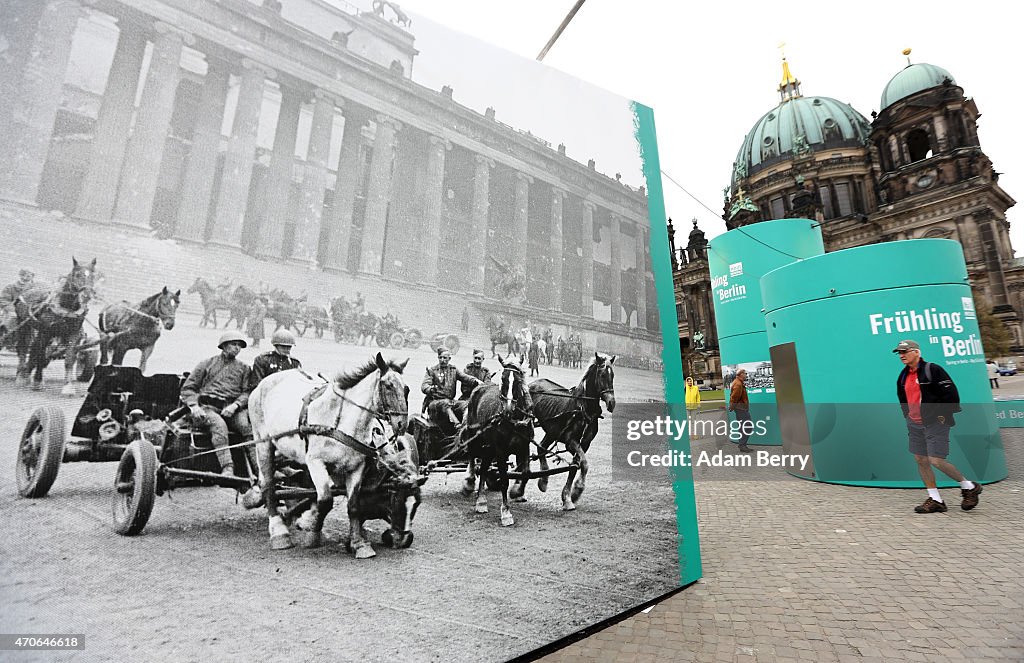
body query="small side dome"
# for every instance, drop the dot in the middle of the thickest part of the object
(913, 79)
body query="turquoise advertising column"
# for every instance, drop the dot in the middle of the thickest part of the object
(833, 322)
(737, 260)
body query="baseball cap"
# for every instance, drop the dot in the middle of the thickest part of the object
(907, 345)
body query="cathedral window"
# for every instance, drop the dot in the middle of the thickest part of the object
(826, 201)
(778, 208)
(843, 200)
(918, 144)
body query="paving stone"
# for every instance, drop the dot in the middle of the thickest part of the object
(780, 582)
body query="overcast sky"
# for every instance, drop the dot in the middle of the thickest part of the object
(710, 70)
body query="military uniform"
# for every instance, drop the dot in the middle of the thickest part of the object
(214, 384)
(269, 363)
(8, 296)
(439, 385)
(481, 373)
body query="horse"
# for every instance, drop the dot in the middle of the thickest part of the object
(284, 310)
(130, 327)
(501, 334)
(570, 416)
(51, 321)
(495, 428)
(212, 298)
(239, 305)
(339, 419)
(316, 317)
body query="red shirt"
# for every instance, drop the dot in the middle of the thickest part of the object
(913, 390)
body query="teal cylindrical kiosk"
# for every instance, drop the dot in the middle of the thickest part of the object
(833, 322)
(737, 261)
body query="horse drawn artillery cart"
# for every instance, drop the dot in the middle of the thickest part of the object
(140, 422)
(135, 420)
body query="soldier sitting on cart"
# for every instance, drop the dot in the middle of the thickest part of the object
(439, 386)
(217, 394)
(477, 369)
(8, 297)
(278, 359)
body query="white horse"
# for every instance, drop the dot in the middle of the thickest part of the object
(342, 422)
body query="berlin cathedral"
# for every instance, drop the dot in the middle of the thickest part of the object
(916, 169)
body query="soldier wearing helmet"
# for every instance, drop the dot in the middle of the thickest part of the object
(278, 359)
(9, 296)
(217, 393)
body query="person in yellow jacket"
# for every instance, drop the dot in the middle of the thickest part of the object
(692, 403)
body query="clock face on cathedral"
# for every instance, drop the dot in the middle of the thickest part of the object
(925, 181)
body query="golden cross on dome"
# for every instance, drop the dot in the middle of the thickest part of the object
(906, 51)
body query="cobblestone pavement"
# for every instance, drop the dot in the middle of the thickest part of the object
(801, 571)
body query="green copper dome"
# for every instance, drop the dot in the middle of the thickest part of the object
(796, 127)
(911, 80)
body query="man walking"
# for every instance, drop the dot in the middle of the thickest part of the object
(929, 399)
(993, 374)
(739, 402)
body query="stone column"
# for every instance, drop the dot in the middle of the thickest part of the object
(279, 180)
(433, 208)
(711, 329)
(23, 151)
(314, 180)
(378, 195)
(556, 257)
(348, 178)
(520, 220)
(587, 246)
(641, 275)
(152, 122)
(197, 186)
(615, 278)
(238, 162)
(481, 214)
(99, 188)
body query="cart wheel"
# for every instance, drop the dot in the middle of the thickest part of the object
(451, 341)
(41, 451)
(134, 487)
(413, 338)
(396, 340)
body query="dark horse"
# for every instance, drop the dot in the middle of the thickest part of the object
(213, 299)
(495, 428)
(502, 334)
(129, 327)
(570, 416)
(50, 323)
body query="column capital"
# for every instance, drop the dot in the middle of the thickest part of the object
(589, 205)
(523, 177)
(439, 141)
(169, 31)
(484, 161)
(256, 67)
(558, 193)
(320, 93)
(381, 118)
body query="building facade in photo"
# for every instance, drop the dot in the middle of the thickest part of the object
(290, 140)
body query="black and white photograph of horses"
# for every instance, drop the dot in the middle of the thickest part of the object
(314, 326)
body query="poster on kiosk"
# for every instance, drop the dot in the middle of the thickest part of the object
(197, 185)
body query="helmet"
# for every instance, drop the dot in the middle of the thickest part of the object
(282, 337)
(232, 336)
